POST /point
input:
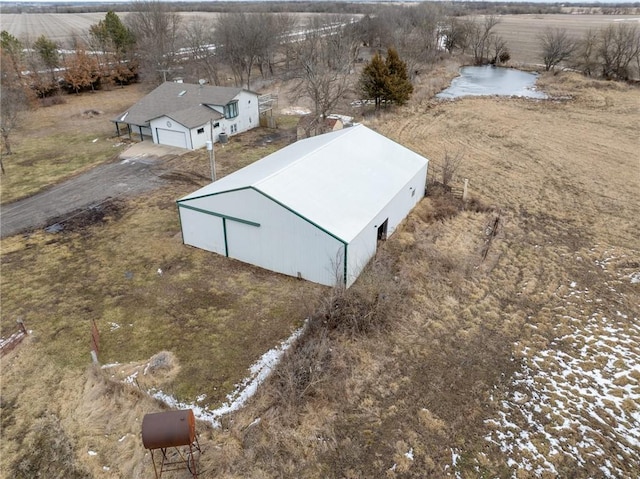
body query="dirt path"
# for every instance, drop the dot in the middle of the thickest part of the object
(138, 169)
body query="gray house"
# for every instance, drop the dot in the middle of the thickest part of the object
(187, 115)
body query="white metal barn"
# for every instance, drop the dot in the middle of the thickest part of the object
(315, 209)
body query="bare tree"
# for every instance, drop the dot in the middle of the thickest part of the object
(619, 46)
(156, 28)
(482, 37)
(416, 34)
(586, 53)
(13, 102)
(239, 37)
(275, 28)
(457, 34)
(374, 30)
(203, 53)
(498, 51)
(286, 28)
(450, 166)
(323, 61)
(556, 47)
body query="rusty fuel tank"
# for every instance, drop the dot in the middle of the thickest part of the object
(168, 429)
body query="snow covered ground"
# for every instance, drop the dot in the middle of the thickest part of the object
(576, 404)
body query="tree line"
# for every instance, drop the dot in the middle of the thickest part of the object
(612, 52)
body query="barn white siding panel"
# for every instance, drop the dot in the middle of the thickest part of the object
(363, 247)
(287, 244)
(202, 230)
(283, 241)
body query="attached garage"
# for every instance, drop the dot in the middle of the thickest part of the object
(187, 116)
(315, 209)
(171, 138)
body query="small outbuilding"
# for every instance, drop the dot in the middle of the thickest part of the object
(315, 209)
(187, 116)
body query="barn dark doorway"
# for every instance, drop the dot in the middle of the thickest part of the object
(382, 230)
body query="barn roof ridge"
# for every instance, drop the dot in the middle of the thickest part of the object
(313, 151)
(336, 179)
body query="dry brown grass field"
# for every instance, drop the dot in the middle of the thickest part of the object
(523, 364)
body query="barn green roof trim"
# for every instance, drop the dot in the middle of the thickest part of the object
(213, 194)
(219, 215)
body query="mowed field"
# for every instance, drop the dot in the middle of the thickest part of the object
(522, 31)
(62, 27)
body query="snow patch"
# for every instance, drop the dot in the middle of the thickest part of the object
(578, 399)
(259, 371)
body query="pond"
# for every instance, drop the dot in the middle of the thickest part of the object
(489, 80)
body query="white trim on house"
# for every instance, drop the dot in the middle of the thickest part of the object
(195, 111)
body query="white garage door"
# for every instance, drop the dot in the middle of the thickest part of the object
(172, 138)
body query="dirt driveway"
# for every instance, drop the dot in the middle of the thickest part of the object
(137, 169)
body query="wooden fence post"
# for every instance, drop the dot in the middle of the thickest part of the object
(21, 326)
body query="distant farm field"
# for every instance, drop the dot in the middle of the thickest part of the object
(520, 31)
(62, 27)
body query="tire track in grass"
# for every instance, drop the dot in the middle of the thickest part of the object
(576, 403)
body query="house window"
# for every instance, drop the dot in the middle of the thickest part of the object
(200, 131)
(216, 124)
(231, 110)
(234, 128)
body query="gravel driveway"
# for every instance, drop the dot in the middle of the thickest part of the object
(136, 171)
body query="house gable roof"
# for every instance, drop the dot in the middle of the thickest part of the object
(184, 102)
(338, 180)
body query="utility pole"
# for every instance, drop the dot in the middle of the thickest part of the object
(212, 159)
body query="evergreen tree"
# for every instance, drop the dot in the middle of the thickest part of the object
(44, 63)
(12, 50)
(111, 33)
(373, 80)
(386, 81)
(116, 42)
(47, 50)
(399, 87)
